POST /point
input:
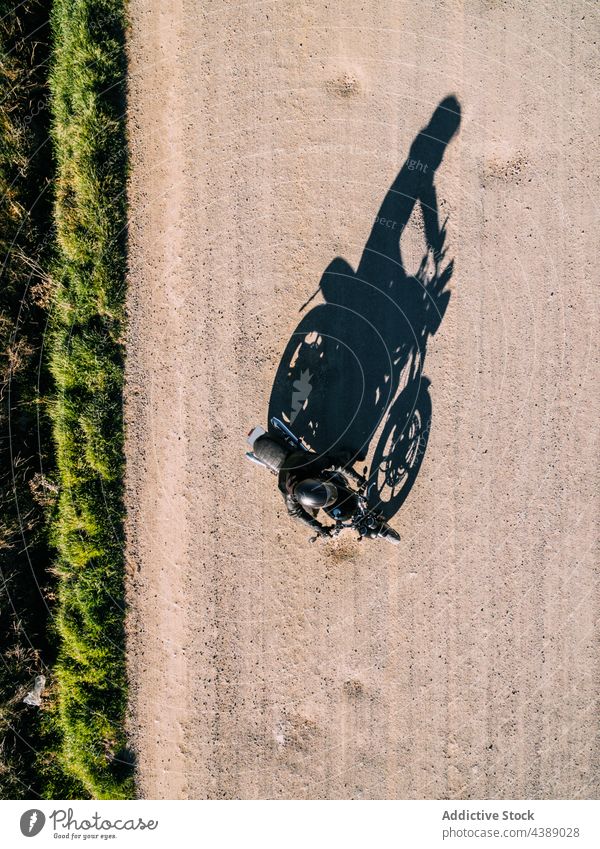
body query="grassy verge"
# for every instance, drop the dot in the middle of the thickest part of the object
(62, 249)
(87, 83)
(28, 736)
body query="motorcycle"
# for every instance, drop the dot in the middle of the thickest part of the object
(351, 509)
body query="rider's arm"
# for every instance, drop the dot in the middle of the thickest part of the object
(336, 464)
(348, 470)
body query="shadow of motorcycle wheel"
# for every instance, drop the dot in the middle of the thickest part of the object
(400, 449)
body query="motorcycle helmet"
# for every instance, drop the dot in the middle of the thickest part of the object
(315, 494)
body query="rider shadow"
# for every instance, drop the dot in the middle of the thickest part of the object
(351, 377)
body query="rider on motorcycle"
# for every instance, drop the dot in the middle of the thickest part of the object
(307, 483)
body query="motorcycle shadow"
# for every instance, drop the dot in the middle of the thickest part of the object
(350, 381)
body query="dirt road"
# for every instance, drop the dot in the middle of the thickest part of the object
(265, 138)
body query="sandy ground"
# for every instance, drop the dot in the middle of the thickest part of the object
(465, 662)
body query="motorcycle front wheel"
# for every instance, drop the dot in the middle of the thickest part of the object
(390, 535)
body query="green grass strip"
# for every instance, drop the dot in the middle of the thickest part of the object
(87, 83)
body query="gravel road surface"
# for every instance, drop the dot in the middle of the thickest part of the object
(269, 139)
